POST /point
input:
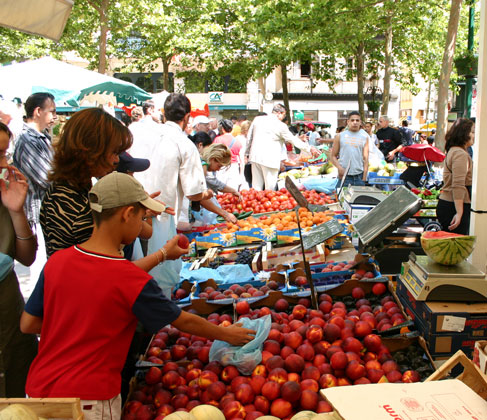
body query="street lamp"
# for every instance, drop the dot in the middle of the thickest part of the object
(372, 92)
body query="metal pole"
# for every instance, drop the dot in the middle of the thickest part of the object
(469, 79)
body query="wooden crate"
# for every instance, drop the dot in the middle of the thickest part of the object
(471, 375)
(52, 408)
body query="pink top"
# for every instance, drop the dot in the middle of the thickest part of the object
(227, 140)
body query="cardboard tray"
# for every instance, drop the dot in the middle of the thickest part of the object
(471, 376)
(52, 408)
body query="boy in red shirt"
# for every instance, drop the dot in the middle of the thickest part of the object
(88, 299)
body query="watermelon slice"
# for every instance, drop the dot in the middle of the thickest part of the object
(447, 248)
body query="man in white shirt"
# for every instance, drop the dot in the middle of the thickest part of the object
(266, 136)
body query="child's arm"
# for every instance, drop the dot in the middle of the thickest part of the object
(233, 334)
(171, 252)
(30, 324)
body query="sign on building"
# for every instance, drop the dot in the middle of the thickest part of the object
(215, 97)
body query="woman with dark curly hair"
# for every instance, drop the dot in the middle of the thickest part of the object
(453, 209)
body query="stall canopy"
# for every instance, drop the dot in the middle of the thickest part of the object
(46, 18)
(70, 85)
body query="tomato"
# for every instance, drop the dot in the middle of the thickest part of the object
(239, 207)
(267, 204)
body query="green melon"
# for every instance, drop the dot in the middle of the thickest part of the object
(447, 248)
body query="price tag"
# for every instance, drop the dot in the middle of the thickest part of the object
(321, 233)
(453, 323)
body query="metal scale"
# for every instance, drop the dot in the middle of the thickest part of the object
(364, 195)
(380, 222)
(428, 281)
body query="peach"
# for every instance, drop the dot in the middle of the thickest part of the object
(291, 391)
(389, 366)
(229, 373)
(262, 404)
(362, 328)
(271, 390)
(165, 410)
(324, 407)
(259, 370)
(274, 362)
(373, 342)
(242, 307)
(299, 311)
(293, 339)
(314, 333)
(170, 380)
(394, 376)
(375, 375)
(358, 293)
(294, 363)
(306, 351)
(272, 346)
(281, 305)
(281, 408)
(355, 370)
(153, 375)
(311, 372)
(275, 335)
(362, 381)
(206, 378)
(325, 306)
(309, 400)
(217, 390)
(320, 347)
(286, 351)
(257, 383)
(331, 332)
(239, 380)
(327, 380)
(339, 360)
(352, 344)
(278, 375)
(343, 382)
(234, 410)
(310, 384)
(411, 376)
(244, 394)
(179, 401)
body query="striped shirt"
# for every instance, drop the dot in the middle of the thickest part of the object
(66, 218)
(33, 156)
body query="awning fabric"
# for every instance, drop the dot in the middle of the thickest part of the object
(46, 18)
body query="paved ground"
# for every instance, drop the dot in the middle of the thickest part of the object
(26, 283)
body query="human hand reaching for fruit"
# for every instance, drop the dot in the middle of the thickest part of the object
(229, 217)
(236, 335)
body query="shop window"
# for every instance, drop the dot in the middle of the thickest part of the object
(305, 69)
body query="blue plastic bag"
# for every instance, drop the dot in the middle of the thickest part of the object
(247, 357)
(325, 185)
(166, 274)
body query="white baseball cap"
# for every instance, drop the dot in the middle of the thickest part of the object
(201, 119)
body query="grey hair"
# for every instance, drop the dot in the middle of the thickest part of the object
(384, 117)
(279, 108)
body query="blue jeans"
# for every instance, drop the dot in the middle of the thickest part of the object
(354, 180)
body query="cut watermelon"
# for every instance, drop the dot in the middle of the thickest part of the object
(447, 248)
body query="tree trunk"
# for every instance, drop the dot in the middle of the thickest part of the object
(387, 66)
(165, 69)
(285, 92)
(102, 51)
(428, 103)
(359, 58)
(446, 68)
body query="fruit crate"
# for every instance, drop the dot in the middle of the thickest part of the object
(275, 258)
(471, 375)
(52, 408)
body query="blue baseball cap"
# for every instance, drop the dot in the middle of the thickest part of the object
(128, 163)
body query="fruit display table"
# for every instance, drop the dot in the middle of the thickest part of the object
(346, 341)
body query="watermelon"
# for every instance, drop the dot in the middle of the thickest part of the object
(447, 248)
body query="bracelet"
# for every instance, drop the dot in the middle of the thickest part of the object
(26, 238)
(164, 255)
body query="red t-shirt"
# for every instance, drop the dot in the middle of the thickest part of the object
(88, 324)
(227, 139)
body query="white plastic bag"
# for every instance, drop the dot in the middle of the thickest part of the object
(166, 274)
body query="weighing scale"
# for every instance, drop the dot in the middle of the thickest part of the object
(364, 195)
(427, 280)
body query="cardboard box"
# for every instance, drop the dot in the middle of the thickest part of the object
(446, 317)
(449, 399)
(480, 355)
